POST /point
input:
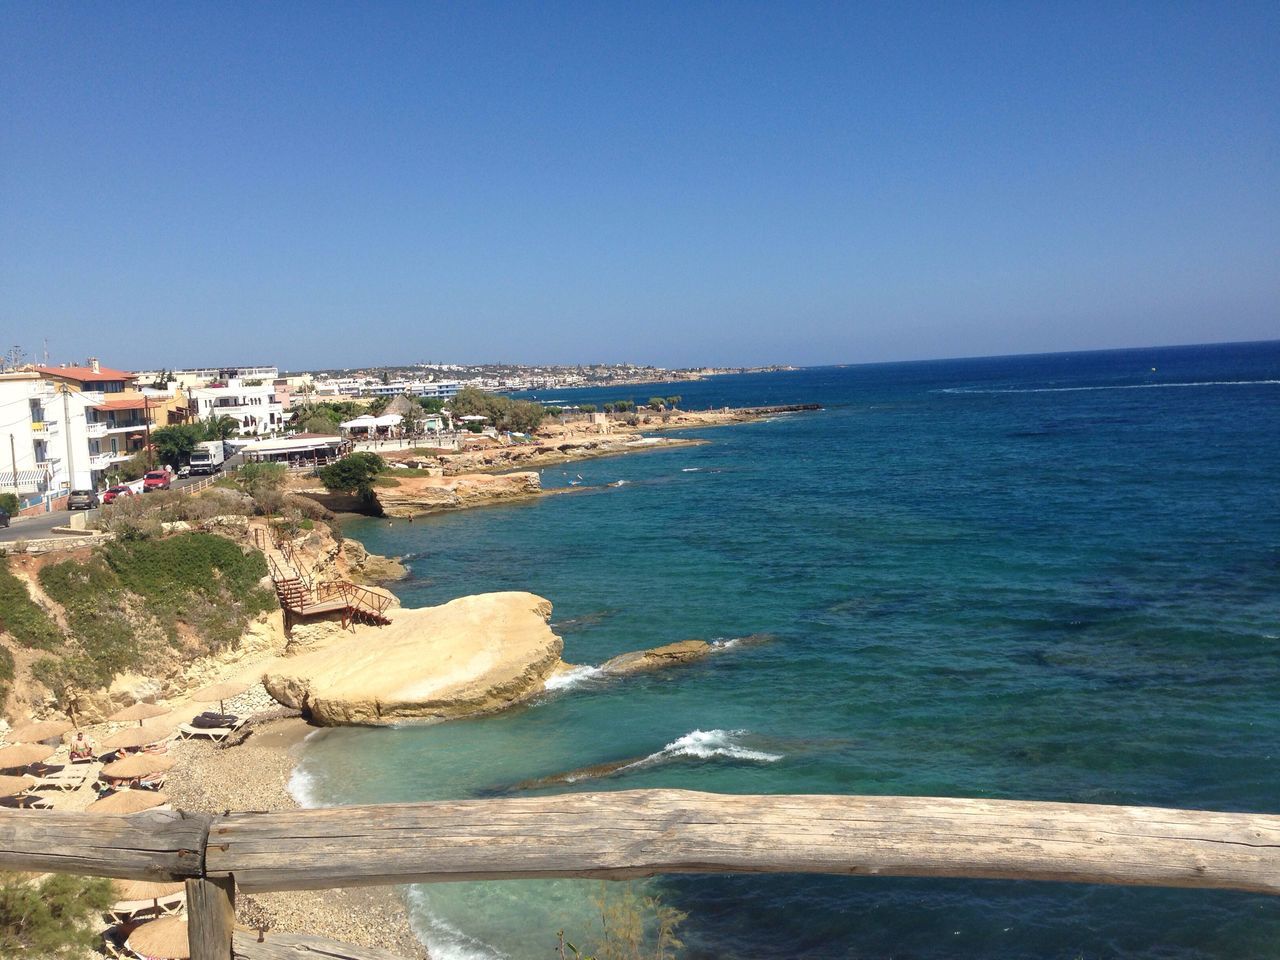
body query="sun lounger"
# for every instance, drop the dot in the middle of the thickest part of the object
(27, 801)
(63, 780)
(189, 732)
(127, 910)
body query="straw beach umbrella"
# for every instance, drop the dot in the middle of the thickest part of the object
(126, 802)
(138, 736)
(39, 731)
(166, 937)
(144, 889)
(23, 755)
(14, 786)
(138, 765)
(139, 711)
(219, 692)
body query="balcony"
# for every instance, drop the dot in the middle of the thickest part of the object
(117, 425)
(101, 461)
(97, 430)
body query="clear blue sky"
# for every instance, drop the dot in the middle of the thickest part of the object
(677, 183)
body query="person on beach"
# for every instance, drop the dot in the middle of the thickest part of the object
(81, 748)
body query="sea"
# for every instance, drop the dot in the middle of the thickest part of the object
(1044, 577)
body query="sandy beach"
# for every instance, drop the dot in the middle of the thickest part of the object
(254, 775)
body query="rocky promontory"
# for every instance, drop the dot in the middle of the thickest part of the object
(404, 496)
(473, 655)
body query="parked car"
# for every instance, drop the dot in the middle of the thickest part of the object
(82, 500)
(156, 480)
(114, 493)
(4, 517)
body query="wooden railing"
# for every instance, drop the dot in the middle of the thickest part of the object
(635, 833)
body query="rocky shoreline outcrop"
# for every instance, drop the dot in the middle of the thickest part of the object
(471, 656)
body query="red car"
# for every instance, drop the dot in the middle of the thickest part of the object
(156, 480)
(110, 495)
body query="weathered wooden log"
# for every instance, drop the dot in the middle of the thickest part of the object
(289, 946)
(211, 917)
(645, 832)
(154, 845)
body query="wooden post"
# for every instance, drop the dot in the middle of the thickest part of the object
(211, 914)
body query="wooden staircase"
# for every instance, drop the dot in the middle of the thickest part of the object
(301, 597)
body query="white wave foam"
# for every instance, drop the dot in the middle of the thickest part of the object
(301, 787)
(690, 469)
(1118, 386)
(725, 643)
(442, 939)
(572, 677)
(619, 483)
(707, 745)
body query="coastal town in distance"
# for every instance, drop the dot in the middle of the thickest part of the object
(604, 481)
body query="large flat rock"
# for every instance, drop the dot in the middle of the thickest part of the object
(470, 656)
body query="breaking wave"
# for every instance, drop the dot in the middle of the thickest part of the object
(572, 677)
(706, 745)
(442, 939)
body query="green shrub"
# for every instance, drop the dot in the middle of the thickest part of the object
(9, 503)
(54, 916)
(354, 473)
(21, 617)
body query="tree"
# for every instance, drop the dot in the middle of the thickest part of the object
(9, 502)
(431, 404)
(657, 403)
(674, 402)
(221, 427)
(354, 473)
(174, 443)
(586, 408)
(378, 404)
(54, 916)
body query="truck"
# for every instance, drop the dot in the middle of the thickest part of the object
(207, 457)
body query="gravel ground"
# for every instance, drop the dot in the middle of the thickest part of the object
(254, 775)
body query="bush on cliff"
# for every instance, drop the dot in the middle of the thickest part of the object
(124, 605)
(354, 473)
(54, 916)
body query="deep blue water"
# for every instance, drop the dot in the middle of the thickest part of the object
(1052, 577)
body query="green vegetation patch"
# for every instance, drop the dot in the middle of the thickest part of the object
(53, 916)
(21, 617)
(97, 615)
(124, 602)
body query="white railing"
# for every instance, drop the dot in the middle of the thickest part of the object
(96, 430)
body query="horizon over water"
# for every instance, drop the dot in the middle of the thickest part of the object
(1044, 577)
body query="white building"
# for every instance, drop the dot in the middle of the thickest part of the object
(202, 376)
(44, 443)
(441, 389)
(254, 406)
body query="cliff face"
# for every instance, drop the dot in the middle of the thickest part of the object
(470, 656)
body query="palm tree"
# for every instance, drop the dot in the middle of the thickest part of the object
(221, 427)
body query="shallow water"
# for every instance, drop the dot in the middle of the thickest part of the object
(1042, 578)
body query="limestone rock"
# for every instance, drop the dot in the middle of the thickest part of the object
(366, 567)
(414, 496)
(641, 661)
(470, 656)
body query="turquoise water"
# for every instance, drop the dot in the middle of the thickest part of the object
(1044, 578)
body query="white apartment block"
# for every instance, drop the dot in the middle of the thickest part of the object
(44, 444)
(441, 389)
(254, 406)
(204, 376)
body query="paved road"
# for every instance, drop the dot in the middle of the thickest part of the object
(31, 528)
